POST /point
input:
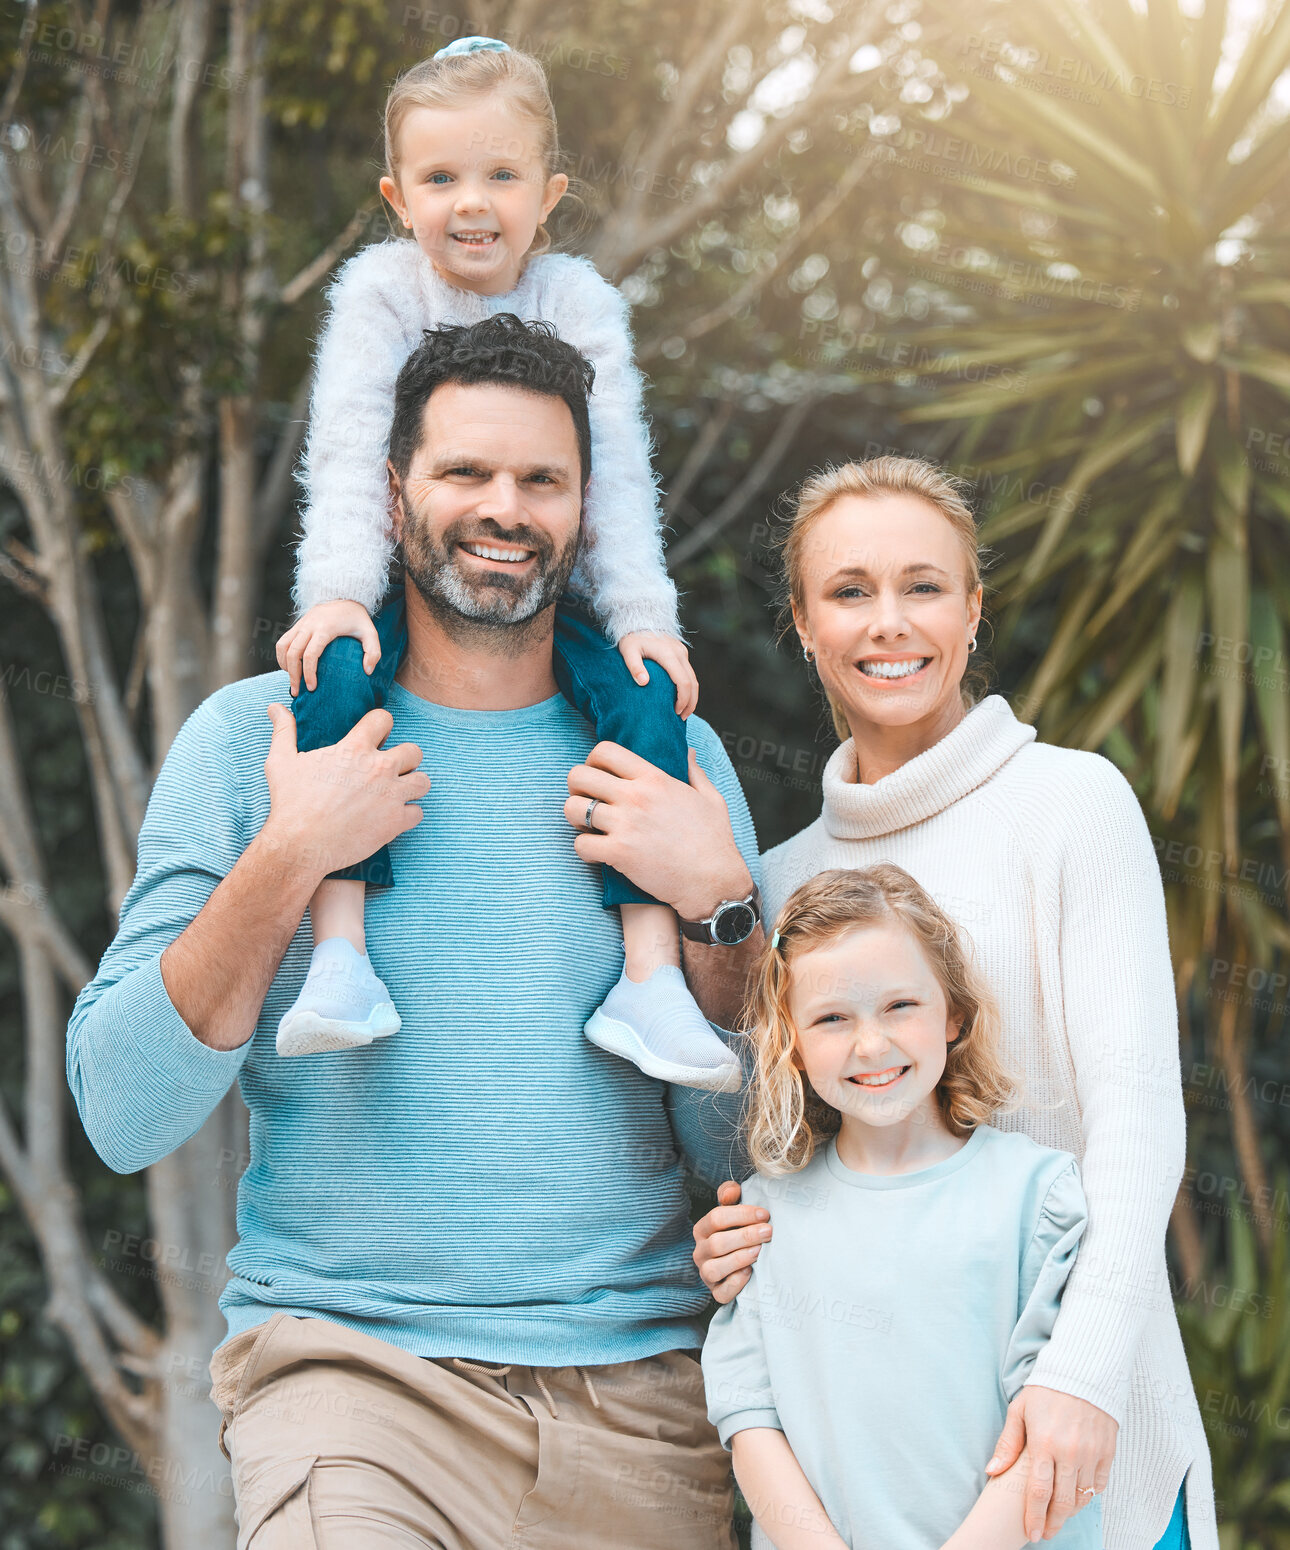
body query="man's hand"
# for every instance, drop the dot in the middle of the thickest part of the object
(673, 840)
(300, 647)
(671, 656)
(1071, 1445)
(727, 1240)
(332, 807)
(328, 809)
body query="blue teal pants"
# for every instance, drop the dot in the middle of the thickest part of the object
(591, 675)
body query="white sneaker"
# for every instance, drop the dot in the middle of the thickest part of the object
(342, 1003)
(657, 1025)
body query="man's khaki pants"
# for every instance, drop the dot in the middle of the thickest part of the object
(338, 1440)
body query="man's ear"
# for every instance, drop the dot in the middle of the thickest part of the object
(395, 504)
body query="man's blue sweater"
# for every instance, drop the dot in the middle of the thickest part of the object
(485, 1183)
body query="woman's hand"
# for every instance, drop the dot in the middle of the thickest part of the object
(1071, 1444)
(727, 1240)
(313, 632)
(671, 656)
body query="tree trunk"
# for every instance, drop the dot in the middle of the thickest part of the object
(235, 589)
(192, 1198)
(192, 1192)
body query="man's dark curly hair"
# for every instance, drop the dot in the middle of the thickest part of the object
(502, 349)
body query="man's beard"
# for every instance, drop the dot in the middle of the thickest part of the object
(470, 602)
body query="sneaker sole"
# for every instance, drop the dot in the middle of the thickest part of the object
(309, 1034)
(621, 1039)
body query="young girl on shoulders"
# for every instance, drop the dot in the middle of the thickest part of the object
(472, 173)
(863, 1374)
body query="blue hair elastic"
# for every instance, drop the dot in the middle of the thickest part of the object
(774, 942)
(472, 46)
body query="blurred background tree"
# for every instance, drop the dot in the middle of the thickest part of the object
(1045, 243)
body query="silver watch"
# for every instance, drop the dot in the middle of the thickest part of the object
(733, 921)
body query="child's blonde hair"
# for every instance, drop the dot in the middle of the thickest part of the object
(786, 1118)
(876, 476)
(457, 78)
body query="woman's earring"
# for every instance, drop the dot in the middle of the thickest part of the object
(972, 644)
(808, 654)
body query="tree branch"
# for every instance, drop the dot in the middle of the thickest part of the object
(69, 200)
(21, 568)
(748, 292)
(73, 604)
(277, 486)
(706, 58)
(38, 1172)
(314, 271)
(620, 258)
(700, 536)
(95, 337)
(181, 138)
(704, 445)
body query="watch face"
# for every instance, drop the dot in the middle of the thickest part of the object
(734, 924)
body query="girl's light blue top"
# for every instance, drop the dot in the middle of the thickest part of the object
(890, 1321)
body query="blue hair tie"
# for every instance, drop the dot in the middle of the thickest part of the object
(472, 46)
(774, 942)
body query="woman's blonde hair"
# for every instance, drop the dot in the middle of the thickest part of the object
(457, 78)
(786, 1118)
(891, 475)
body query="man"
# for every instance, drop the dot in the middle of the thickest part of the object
(462, 1311)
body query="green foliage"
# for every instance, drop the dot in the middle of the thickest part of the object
(168, 328)
(62, 1482)
(329, 61)
(1238, 1349)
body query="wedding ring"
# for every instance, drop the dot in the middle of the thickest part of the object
(586, 822)
(1088, 1490)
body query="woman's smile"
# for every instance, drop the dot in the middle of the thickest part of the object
(890, 669)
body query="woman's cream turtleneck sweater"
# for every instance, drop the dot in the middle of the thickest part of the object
(1043, 856)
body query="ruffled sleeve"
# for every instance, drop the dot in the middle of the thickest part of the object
(1045, 1266)
(735, 1374)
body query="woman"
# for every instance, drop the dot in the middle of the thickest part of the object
(1042, 854)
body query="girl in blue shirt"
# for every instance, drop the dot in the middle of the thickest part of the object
(864, 1372)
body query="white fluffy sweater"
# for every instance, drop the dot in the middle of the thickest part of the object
(381, 301)
(1043, 856)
